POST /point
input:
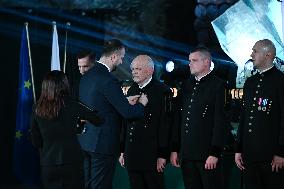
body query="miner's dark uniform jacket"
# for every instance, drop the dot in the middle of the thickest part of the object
(199, 119)
(146, 139)
(261, 129)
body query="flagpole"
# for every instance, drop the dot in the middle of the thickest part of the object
(65, 48)
(30, 60)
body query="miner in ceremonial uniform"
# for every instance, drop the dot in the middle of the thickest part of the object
(260, 143)
(146, 140)
(199, 134)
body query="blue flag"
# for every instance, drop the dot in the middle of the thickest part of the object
(25, 160)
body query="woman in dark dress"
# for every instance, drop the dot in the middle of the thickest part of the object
(53, 131)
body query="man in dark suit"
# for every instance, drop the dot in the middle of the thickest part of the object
(260, 143)
(146, 139)
(86, 60)
(101, 91)
(199, 134)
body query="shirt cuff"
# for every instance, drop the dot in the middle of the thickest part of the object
(163, 153)
(280, 151)
(215, 151)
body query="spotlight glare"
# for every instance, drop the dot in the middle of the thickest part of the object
(170, 66)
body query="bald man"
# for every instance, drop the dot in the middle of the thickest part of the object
(260, 144)
(146, 145)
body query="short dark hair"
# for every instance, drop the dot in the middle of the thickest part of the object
(204, 51)
(87, 53)
(111, 46)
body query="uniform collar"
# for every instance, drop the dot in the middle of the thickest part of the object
(204, 76)
(145, 84)
(267, 69)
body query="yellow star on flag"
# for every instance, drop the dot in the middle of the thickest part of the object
(27, 84)
(19, 135)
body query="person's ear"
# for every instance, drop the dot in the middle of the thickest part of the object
(268, 54)
(207, 61)
(151, 70)
(113, 57)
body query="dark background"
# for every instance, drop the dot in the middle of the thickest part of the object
(165, 26)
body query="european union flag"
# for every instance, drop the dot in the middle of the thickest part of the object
(26, 160)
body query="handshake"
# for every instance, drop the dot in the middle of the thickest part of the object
(138, 99)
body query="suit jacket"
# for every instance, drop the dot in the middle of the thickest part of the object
(57, 138)
(101, 91)
(147, 138)
(200, 118)
(261, 128)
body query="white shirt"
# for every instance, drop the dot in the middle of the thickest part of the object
(105, 65)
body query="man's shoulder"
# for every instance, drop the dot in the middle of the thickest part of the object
(279, 74)
(217, 79)
(97, 69)
(97, 72)
(161, 86)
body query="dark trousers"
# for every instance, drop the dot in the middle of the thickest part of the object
(146, 179)
(195, 176)
(99, 170)
(260, 176)
(62, 176)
